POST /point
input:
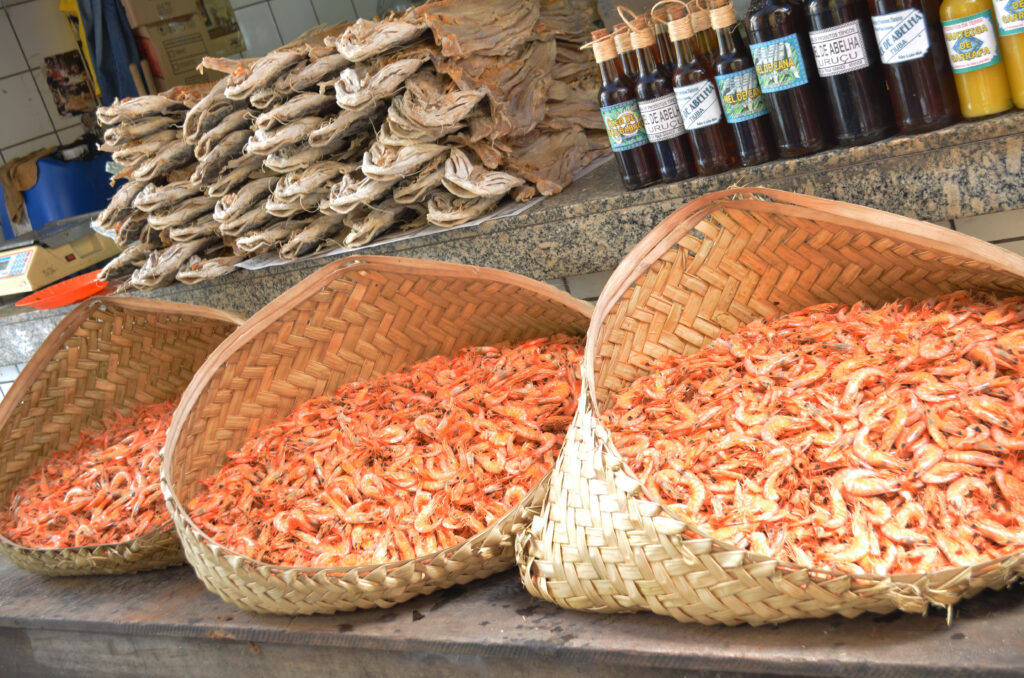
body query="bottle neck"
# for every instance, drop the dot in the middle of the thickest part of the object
(646, 60)
(684, 51)
(609, 71)
(726, 43)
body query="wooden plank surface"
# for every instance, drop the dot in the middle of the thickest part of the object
(166, 624)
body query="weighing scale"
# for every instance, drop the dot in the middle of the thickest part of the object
(53, 252)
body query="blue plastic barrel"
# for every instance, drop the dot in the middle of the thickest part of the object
(6, 231)
(67, 189)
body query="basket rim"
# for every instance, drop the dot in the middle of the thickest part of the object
(282, 305)
(42, 357)
(662, 238)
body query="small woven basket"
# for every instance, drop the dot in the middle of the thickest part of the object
(352, 320)
(107, 355)
(600, 543)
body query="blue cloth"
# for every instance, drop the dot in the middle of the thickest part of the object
(112, 47)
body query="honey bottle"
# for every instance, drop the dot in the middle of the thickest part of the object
(627, 57)
(978, 70)
(1010, 24)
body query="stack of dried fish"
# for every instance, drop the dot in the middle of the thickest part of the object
(431, 116)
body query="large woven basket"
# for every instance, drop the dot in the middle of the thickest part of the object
(108, 355)
(352, 320)
(600, 543)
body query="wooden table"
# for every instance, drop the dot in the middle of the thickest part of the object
(166, 624)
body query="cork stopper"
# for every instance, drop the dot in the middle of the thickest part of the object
(659, 16)
(604, 47)
(641, 35)
(679, 25)
(620, 34)
(722, 17)
(700, 17)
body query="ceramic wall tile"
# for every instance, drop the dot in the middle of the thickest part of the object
(11, 59)
(42, 30)
(259, 29)
(24, 113)
(26, 147)
(293, 17)
(332, 12)
(998, 226)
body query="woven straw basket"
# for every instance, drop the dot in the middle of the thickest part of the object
(599, 543)
(352, 320)
(108, 355)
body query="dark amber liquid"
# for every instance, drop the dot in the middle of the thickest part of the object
(714, 149)
(673, 154)
(755, 143)
(637, 166)
(795, 114)
(922, 91)
(858, 103)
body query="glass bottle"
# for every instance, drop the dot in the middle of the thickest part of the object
(658, 108)
(627, 57)
(851, 74)
(637, 165)
(705, 40)
(978, 69)
(786, 77)
(742, 104)
(665, 52)
(915, 64)
(711, 141)
(1010, 23)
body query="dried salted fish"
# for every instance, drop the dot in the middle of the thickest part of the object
(314, 73)
(127, 261)
(265, 97)
(232, 205)
(356, 189)
(152, 197)
(174, 155)
(120, 205)
(344, 124)
(416, 189)
(367, 224)
(197, 268)
(236, 174)
(129, 230)
(181, 213)
(316, 178)
(236, 68)
(290, 207)
(318, 232)
(299, 106)
(564, 19)
(277, 234)
(445, 209)
(135, 130)
(229, 148)
(465, 180)
(431, 100)
(162, 265)
(487, 27)
(214, 99)
(254, 219)
(549, 159)
(137, 152)
(262, 72)
(360, 84)
(152, 105)
(263, 142)
(299, 156)
(201, 228)
(234, 121)
(488, 153)
(395, 162)
(366, 38)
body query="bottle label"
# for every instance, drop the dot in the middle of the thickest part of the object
(661, 118)
(741, 96)
(699, 105)
(971, 41)
(839, 49)
(1009, 16)
(625, 126)
(779, 63)
(902, 36)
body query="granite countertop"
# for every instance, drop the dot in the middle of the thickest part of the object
(964, 170)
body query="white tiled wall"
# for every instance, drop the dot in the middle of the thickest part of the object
(1005, 229)
(268, 24)
(30, 31)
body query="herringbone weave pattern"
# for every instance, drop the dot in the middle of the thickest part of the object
(352, 320)
(599, 543)
(109, 355)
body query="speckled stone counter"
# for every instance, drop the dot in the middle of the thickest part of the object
(965, 170)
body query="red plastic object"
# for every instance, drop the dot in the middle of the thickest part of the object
(66, 292)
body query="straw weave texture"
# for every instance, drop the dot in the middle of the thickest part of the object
(599, 543)
(106, 356)
(352, 320)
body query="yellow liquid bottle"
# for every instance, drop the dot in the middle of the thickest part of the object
(978, 69)
(1010, 25)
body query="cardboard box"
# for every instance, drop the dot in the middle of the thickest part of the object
(174, 49)
(223, 36)
(146, 12)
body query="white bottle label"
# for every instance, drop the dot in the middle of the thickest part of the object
(902, 36)
(839, 49)
(971, 41)
(661, 118)
(1009, 16)
(698, 104)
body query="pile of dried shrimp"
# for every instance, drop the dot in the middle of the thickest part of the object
(104, 490)
(844, 438)
(399, 466)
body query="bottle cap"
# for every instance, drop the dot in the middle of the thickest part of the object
(604, 48)
(700, 17)
(679, 24)
(620, 33)
(723, 16)
(641, 35)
